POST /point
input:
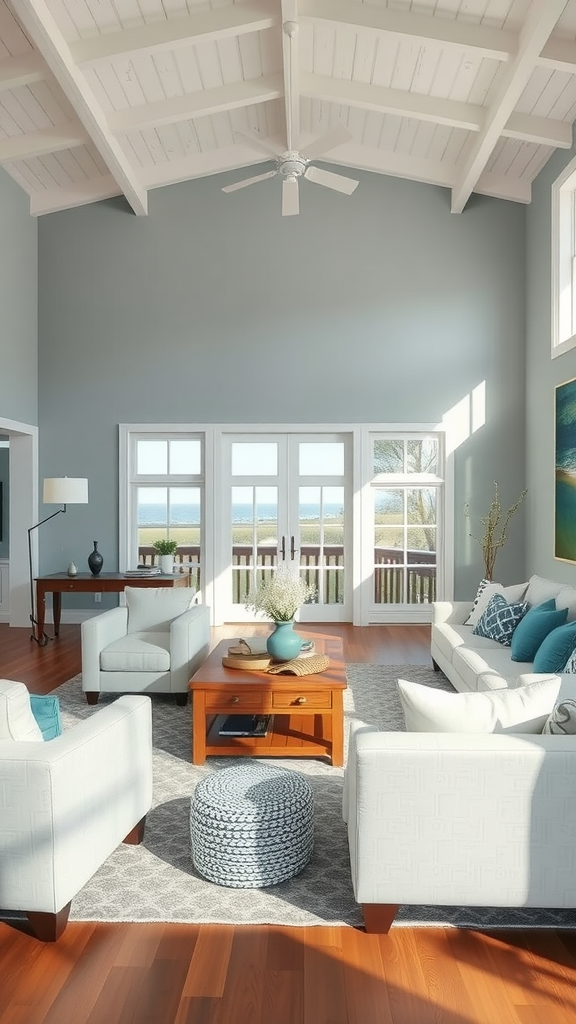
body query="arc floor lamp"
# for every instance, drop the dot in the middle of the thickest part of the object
(64, 490)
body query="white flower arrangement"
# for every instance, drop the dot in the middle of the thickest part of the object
(280, 595)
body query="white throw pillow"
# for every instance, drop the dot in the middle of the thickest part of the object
(154, 608)
(540, 589)
(512, 595)
(523, 710)
(16, 719)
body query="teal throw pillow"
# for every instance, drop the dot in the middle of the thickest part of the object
(534, 627)
(500, 619)
(555, 649)
(46, 711)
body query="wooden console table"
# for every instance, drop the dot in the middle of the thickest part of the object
(59, 583)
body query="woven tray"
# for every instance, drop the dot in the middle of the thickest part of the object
(253, 663)
(309, 666)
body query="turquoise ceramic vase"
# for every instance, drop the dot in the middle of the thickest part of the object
(283, 644)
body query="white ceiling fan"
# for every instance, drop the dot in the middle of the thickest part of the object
(294, 163)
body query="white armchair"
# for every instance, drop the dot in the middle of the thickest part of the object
(440, 819)
(66, 804)
(152, 645)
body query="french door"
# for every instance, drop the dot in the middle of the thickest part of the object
(285, 500)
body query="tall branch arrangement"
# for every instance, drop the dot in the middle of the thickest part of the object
(495, 529)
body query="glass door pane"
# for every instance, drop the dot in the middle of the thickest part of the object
(254, 514)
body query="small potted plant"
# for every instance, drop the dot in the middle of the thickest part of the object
(166, 549)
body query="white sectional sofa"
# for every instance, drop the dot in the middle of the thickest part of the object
(473, 818)
(476, 663)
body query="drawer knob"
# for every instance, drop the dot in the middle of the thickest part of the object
(300, 700)
(235, 700)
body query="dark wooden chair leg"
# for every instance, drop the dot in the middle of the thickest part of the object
(136, 836)
(181, 699)
(435, 666)
(48, 927)
(378, 917)
(92, 696)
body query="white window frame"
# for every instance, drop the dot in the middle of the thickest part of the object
(363, 610)
(129, 481)
(564, 262)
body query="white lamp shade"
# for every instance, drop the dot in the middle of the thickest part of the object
(65, 490)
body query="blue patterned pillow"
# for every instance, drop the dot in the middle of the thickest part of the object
(500, 619)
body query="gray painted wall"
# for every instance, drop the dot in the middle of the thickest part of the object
(380, 307)
(5, 522)
(542, 375)
(18, 305)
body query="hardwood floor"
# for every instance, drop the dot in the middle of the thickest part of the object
(183, 974)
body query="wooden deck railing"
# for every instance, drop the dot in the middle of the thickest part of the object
(394, 582)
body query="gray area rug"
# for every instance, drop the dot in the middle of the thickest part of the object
(156, 881)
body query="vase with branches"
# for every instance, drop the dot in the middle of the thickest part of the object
(495, 525)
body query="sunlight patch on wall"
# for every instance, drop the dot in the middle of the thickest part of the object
(465, 418)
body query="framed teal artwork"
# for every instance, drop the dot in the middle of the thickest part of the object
(565, 471)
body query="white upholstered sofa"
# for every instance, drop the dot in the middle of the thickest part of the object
(475, 662)
(465, 819)
(66, 804)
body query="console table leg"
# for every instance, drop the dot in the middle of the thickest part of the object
(56, 610)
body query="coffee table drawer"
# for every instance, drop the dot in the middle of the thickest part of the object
(318, 699)
(237, 701)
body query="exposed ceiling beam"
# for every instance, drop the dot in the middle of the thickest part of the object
(93, 191)
(200, 104)
(429, 108)
(176, 32)
(18, 71)
(540, 21)
(291, 65)
(421, 28)
(39, 24)
(46, 140)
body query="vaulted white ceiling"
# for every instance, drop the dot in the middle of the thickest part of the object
(100, 98)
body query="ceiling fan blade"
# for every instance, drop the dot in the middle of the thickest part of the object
(326, 142)
(248, 181)
(255, 140)
(290, 198)
(335, 181)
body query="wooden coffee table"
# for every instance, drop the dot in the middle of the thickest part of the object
(307, 711)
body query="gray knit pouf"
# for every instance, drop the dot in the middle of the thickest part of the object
(251, 825)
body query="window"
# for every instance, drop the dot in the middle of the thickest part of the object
(564, 261)
(406, 492)
(166, 499)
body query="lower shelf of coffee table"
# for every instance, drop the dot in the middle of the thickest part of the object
(287, 736)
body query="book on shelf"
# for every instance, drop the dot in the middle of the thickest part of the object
(145, 570)
(245, 725)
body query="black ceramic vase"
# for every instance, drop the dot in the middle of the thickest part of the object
(95, 560)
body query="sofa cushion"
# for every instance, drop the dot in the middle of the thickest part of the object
(154, 608)
(16, 719)
(566, 598)
(137, 652)
(489, 669)
(500, 619)
(555, 649)
(562, 720)
(540, 589)
(486, 593)
(525, 710)
(539, 620)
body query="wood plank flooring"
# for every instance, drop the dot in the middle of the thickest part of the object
(214, 974)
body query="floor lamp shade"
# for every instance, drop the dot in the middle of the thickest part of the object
(65, 490)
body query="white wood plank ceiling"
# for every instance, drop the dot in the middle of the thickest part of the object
(100, 98)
